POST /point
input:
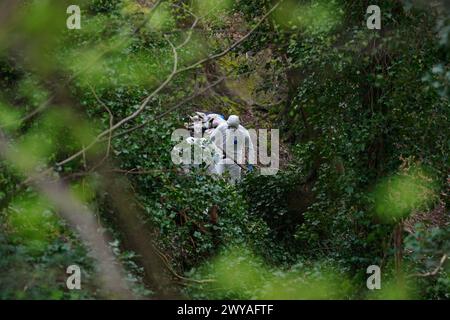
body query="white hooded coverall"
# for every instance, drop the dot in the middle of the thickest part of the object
(234, 140)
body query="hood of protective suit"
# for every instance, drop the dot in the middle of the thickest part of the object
(233, 122)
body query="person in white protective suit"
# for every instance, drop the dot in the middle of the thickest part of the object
(214, 155)
(233, 140)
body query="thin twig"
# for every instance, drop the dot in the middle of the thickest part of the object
(178, 105)
(111, 123)
(133, 115)
(234, 45)
(46, 103)
(165, 260)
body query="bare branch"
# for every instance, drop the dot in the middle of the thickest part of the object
(82, 221)
(189, 36)
(133, 115)
(175, 72)
(436, 270)
(46, 103)
(111, 123)
(234, 45)
(178, 105)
